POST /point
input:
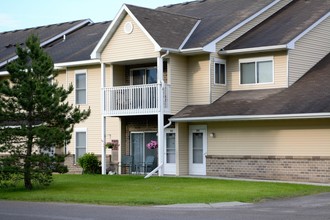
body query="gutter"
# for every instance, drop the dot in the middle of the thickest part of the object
(4, 73)
(256, 49)
(253, 117)
(76, 63)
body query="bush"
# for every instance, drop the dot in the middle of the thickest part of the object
(89, 163)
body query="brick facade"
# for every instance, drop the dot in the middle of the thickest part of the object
(299, 169)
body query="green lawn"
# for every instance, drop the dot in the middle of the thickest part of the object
(135, 190)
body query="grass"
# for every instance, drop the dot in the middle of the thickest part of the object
(135, 190)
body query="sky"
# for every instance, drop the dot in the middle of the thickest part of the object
(21, 14)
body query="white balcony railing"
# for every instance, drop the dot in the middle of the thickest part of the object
(134, 100)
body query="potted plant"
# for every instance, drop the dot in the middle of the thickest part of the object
(152, 145)
(112, 145)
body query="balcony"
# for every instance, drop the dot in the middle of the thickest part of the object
(135, 100)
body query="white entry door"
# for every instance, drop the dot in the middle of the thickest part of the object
(170, 152)
(197, 149)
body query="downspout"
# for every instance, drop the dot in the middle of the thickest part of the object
(160, 84)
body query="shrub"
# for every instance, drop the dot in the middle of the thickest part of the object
(89, 163)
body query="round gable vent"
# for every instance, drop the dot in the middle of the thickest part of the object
(128, 28)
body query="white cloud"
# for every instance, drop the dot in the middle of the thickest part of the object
(8, 23)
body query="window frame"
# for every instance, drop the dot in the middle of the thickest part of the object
(256, 61)
(80, 72)
(79, 130)
(223, 62)
(144, 74)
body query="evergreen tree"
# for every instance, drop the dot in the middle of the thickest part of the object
(34, 117)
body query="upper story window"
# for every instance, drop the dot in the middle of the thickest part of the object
(256, 71)
(144, 76)
(80, 87)
(220, 72)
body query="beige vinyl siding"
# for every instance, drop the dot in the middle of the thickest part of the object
(93, 123)
(310, 49)
(182, 149)
(217, 90)
(280, 72)
(245, 28)
(178, 80)
(133, 46)
(270, 138)
(118, 73)
(198, 80)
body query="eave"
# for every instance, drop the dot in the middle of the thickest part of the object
(253, 117)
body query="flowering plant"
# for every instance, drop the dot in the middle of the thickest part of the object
(152, 145)
(112, 145)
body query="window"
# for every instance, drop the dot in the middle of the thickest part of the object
(144, 76)
(80, 83)
(81, 141)
(220, 72)
(256, 71)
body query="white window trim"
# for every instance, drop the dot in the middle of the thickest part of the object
(220, 61)
(255, 60)
(77, 72)
(77, 130)
(144, 75)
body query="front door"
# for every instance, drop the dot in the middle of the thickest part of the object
(197, 149)
(170, 152)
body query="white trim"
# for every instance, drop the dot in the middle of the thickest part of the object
(253, 117)
(192, 167)
(4, 73)
(52, 39)
(96, 54)
(79, 130)
(255, 61)
(77, 63)
(169, 168)
(291, 44)
(189, 35)
(255, 49)
(144, 75)
(212, 45)
(287, 69)
(157, 47)
(78, 72)
(220, 61)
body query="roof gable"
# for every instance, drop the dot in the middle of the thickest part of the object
(217, 17)
(309, 95)
(163, 29)
(167, 29)
(283, 27)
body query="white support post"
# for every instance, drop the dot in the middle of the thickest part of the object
(103, 120)
(160, 115)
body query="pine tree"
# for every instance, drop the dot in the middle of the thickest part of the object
(34, 116)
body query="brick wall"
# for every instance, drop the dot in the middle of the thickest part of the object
(300, 169)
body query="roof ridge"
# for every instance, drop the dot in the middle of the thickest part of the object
(170, 13)
(181, 3)
(43, 26)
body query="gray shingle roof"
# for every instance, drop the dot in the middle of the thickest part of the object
(9, 39)
(217, 16)
(310, 94)
(168, 30)
(283, 26)
(78, 45)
